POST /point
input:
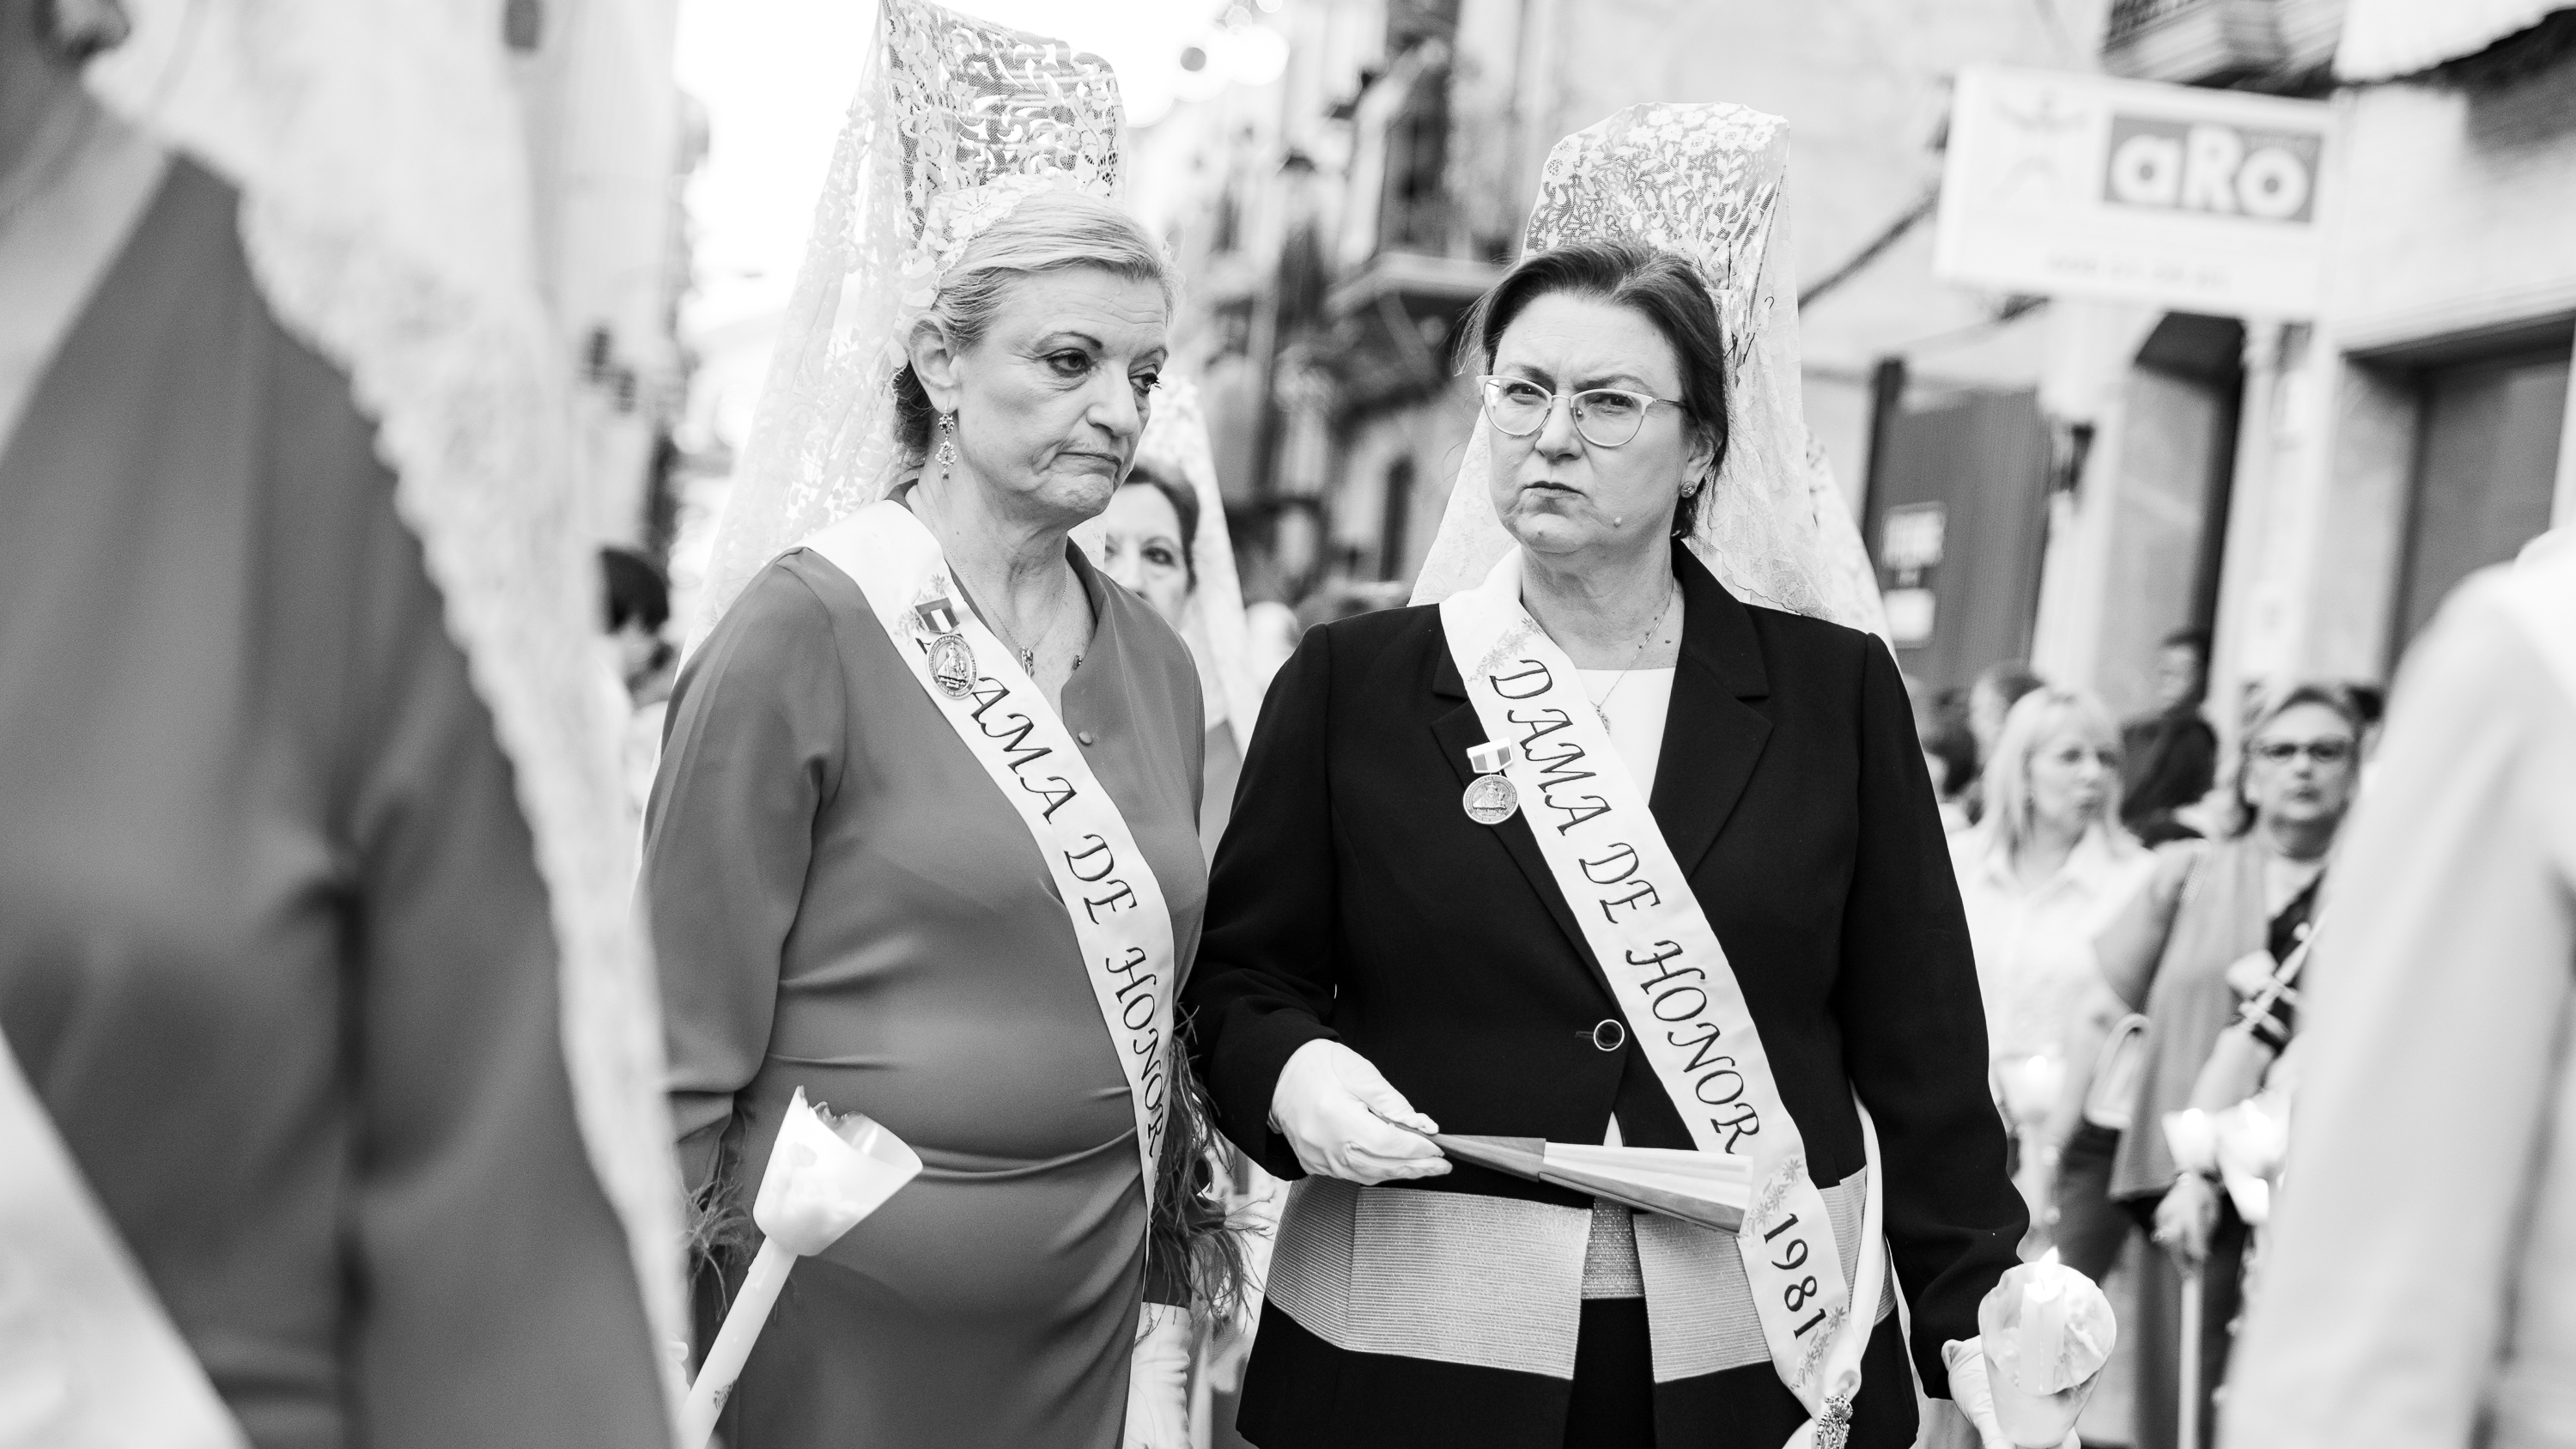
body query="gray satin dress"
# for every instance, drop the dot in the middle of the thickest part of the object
(273, 947)
(843, 901)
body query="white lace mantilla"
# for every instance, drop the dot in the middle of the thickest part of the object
(1705, 181)
(956, 120)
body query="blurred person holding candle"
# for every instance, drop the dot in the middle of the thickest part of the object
(2178, 954)
(2040, 876)
(339, 1121)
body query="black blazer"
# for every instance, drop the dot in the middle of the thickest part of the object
(1352, 898)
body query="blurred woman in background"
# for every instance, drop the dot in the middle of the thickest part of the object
(2174, 954)
(1164, 537)
(2040, 876)
(1144, 542)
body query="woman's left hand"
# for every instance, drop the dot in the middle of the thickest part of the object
(1974, 1398)
(2185, 1217)
(1158, 1381)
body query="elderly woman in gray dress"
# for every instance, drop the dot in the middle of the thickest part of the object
(924, 843)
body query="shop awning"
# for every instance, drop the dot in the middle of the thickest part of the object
(2386, 39)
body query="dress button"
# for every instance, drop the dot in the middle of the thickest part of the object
(1609, 1033)
(1084, 736)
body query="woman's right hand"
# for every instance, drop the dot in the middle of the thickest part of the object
(2185, 1217)
(1345, 1121)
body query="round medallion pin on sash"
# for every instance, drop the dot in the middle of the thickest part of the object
(1491, 797)
(952, 659)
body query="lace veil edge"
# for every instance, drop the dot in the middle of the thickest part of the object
(385, 213)
(954, 122)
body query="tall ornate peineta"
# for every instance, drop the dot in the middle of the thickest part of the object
(956, 121)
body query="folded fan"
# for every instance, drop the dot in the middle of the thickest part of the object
(1705, 1188)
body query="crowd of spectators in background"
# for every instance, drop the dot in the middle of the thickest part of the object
(2128, 897)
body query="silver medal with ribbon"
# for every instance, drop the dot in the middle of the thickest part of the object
(1491, 797)
(952, 659)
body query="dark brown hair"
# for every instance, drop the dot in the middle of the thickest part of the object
(1661, 286)
(1185, 507)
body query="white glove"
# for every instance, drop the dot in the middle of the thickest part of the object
(1976, 1398)
(1158, 1380)
(1339, 1115)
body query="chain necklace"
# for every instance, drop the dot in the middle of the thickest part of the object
(1601, 706)
(1028, 655)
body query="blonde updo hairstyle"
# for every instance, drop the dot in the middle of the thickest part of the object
(1050, 231)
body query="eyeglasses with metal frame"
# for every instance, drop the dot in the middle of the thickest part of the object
(1607, 417)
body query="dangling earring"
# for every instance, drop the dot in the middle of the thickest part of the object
(947, 444)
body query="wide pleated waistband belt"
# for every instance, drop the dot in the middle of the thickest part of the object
(1494, 1282)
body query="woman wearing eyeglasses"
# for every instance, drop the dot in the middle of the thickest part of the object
(2208, 929)
(1604, 850)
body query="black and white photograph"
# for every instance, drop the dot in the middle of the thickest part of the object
(1287, 724)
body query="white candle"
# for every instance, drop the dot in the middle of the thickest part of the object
(2046, 1331)
(822, 1180)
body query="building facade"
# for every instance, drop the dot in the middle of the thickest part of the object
(1337, 224)
(2310, 491)
(2306, 490)
(610, 140)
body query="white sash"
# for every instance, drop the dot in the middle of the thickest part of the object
(94, 1360)
(1673, 984)
(1109, 891)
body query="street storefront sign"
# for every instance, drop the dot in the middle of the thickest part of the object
(2060, 184)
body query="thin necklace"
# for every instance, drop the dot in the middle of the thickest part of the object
(1028, 657)
(1601, 706)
